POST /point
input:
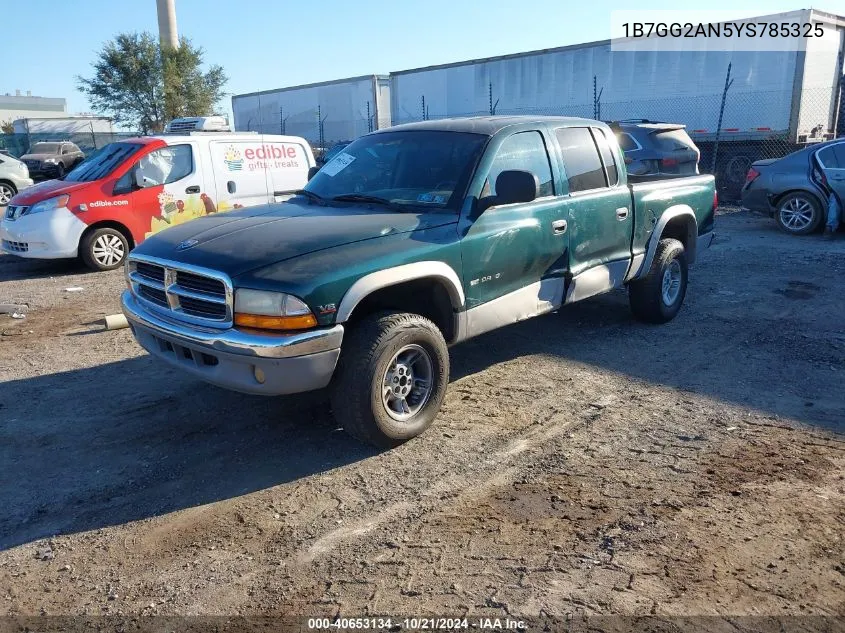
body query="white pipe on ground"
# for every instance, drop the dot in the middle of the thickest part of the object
(116, 322)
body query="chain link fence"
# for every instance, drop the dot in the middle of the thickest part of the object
(18, 144)
(754, 125)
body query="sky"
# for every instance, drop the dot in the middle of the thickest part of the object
(266, 44)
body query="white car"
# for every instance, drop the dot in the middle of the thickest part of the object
(14, 176)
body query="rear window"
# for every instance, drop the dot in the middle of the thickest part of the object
(626, 142)
(673, 140)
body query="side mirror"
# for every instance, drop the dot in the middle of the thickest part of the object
(516, 186)
(312, 171)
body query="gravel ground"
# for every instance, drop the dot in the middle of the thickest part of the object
(582, 463)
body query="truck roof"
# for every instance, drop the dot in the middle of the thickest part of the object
(488, 125)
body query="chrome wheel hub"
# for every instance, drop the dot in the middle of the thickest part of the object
(108, 250)
(796, 214)
(407, 383)
(5, 194)
(671, 285)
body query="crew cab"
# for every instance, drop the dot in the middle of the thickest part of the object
(132, 189)
(412, 239)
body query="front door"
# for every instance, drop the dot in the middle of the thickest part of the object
(831, 161)
(514, 255)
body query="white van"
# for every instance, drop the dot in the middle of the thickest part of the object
(131, 189)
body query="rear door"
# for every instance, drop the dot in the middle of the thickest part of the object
(831, 160)
(598, 209)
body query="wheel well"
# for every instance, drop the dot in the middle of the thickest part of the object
(111, 224)
(427, 297)
(11, 184)
(776, 199)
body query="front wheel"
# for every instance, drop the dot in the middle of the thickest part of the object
(391, 378)
(104, 249)
(7, 191)
(657, 297)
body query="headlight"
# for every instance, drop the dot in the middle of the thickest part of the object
(52, 161)
(49, 205)
(271, 310)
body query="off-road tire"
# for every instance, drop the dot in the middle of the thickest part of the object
(818, 213)
(89, 241)
(368, 348)
(646, 295)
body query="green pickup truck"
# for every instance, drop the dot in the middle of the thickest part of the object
(412, 239)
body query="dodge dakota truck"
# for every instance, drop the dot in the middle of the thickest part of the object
(412, 239)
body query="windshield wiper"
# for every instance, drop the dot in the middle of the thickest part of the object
(311, 196)
(362, 197)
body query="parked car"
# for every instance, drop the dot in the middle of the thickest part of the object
(416, 237)
(14, 176)
(656, 148)
(52, 160)
(794, 190)
(131, 189)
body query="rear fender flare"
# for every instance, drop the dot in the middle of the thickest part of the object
(677, 211)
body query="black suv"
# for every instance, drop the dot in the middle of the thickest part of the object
(52, 159)
(655, 147)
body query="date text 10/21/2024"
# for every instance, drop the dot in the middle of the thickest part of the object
(415, 624)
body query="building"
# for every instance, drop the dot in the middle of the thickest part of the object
(64, 126)
(18, 106)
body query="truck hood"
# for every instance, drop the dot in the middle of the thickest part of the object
(47, 189)
(241, 241)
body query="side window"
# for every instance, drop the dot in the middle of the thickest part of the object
(626, 142)
(833, 156)
(581, 160)
(167, 164)
(524, 151)
(66, 149)
(607, 155)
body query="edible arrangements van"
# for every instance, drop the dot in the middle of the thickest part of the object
(131, 189)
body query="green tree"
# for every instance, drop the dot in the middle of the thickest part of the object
(7, 127)
(142, 86)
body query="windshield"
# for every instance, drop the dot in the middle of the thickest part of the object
(102, 162)
(44, 148)
(422, 168)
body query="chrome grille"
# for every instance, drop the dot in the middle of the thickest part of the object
(188, 293)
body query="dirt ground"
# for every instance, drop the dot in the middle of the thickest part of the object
(583, 463)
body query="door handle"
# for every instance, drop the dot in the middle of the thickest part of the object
(231, 187)
(622, 213)
(192, 189)
(559, 226)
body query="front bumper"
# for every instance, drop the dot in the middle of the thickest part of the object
(49, 235)
(236, 359)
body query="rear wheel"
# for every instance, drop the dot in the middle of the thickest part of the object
(104, 249)
(7, 190)
(657, 297)
(799, 214)
(391, 378)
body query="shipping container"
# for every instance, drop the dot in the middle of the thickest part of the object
(323, 113)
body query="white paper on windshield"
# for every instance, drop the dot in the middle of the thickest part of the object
(337, 164)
